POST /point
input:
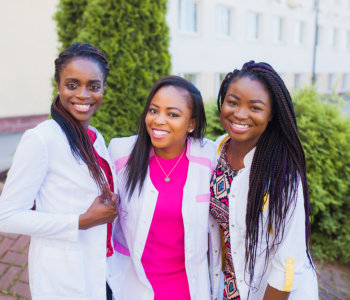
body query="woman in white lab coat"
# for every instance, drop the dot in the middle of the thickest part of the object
(259, 190)
(62, 164)
(163, 176)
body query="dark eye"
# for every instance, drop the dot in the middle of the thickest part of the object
(174, 115)
(232, 103)
(152, 111)
(71, 86)
(95, 87)
(256, 108)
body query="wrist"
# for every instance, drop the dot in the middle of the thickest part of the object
(83, 224)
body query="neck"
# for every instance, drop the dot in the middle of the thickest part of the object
(171, 153)
(236, 152)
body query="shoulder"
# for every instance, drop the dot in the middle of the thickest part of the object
(201, 146)
(119, 147)
(45, 131)
(220, 142)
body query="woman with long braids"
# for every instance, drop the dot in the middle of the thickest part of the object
(63, 165)
(163, 176)
(259, 191)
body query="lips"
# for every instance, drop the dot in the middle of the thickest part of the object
(159, 134)
(82, 107)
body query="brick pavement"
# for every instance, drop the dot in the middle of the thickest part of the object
(334, 279)
(14, 267)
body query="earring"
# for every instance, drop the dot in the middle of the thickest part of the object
(190, 131)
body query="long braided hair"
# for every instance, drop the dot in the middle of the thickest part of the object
(277, 167)
(78, 139)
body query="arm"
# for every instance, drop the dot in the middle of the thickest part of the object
(274, 294)
(289, 260)
(100, 212)
(24, 182)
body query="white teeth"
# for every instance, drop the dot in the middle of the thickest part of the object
(160, 133)
(240, 126)
(83, 107)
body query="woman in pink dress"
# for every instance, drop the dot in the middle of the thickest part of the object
(163, 177)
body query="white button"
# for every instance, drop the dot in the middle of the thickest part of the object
(216, 274)
(232, 225)
(216, 251)
(212, 225)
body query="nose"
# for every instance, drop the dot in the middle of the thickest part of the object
(83, 93)
(241, 113)
(160, 118)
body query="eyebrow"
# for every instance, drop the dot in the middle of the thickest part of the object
(77, 80)
(168, 108)
(250, 101)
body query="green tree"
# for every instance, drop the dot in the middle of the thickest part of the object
(135, 37)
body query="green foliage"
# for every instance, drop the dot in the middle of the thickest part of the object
(325, 135)
(214, 128)
(135, 37)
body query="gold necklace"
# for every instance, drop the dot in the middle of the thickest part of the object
(167, 178)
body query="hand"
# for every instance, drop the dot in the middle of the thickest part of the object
(100, 212)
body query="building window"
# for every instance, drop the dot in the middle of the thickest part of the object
(331, 82)
(219, 77)
(253, 20)
(333, 39)
(277, 29)
(299, 32)
(188, 15)
(192, 77)
(223, 21)
(297, 81)
(344, 83)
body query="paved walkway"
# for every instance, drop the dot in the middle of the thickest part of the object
(13, 267)
(334, 280)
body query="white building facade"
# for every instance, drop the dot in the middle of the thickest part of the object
(210, 38)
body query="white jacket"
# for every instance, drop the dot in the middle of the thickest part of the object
(126, 275)
(64, 262)
(288, 268)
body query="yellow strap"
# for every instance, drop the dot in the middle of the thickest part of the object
(221, 143)
(266, 202)
(289, 274)
(223, 247)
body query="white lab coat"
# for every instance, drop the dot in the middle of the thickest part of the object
(126, 275)
(288, 267)
(64, 262)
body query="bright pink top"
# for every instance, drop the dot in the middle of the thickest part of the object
(164, 255)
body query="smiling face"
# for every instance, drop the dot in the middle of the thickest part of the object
(81, 89)
(168, 121)
(246, 111)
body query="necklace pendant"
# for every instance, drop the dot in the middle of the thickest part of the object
(167, 179)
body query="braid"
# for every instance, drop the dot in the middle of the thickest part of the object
(277, 167)
(77, 136)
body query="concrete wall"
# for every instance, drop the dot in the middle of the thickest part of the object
(28, 49)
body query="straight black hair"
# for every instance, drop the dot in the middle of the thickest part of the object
(137, 165)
